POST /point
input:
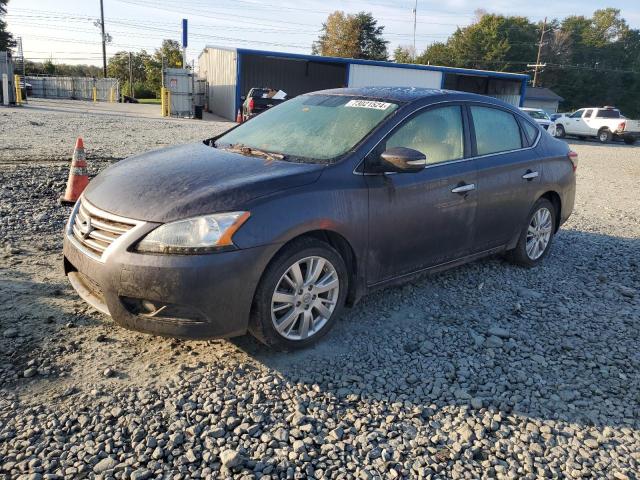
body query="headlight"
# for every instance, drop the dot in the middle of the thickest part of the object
(194, 235)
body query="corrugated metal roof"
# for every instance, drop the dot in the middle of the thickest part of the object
(319, 58)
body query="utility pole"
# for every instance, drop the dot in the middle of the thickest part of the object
(538, 65)
(104, 41)
(415, 15)
(131, 78)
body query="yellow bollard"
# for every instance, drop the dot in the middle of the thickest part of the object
(162, 103)
(95, 94)
(16, 79)
(112, 95)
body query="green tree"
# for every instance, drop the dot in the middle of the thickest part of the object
(169, 55)
(403, 54)
(493, 42)
(6, 39)
(351, 36)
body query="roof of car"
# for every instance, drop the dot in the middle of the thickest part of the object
(404, 94)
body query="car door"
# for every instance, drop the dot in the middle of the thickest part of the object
(573, 123)
(586, 123)
(509, 171)
(418, 220)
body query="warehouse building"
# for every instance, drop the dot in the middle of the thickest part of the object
(232, 72)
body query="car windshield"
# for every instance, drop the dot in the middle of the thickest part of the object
(310, 127)
(538, 115)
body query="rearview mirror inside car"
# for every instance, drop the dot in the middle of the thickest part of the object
(403, 160)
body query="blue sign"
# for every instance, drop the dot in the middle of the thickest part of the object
(184, 33)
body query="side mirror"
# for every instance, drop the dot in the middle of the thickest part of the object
(403, 160)
(243, 98)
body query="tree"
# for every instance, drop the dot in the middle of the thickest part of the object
(169, 55)
(351, 36)
(493, 42)
(403, 54)
(6, 39)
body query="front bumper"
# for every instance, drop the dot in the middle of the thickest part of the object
(205, 296)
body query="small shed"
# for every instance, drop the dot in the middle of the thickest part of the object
(541, 97)
(232, 72)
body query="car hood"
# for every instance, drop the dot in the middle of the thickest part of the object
(193, 179)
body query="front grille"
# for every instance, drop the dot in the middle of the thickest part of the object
(95, 230)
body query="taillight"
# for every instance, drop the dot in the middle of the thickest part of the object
(622, 126)
(251, 104)
(573, 158)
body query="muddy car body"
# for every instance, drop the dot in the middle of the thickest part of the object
(377, 214)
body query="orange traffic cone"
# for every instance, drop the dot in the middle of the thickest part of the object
(78, 178)
(239, 117)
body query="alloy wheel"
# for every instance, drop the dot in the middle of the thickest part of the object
(304, 298)
(539, 233)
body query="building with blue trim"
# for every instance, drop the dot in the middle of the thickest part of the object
(232, 72)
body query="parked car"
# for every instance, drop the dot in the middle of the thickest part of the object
(540, 117)
(274, 226)
(258, 100)
(129, 99)
(605, 124)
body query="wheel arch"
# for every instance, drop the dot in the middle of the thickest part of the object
(556, 201)
(342, 246)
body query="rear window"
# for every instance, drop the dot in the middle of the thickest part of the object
(608, 114)
(538, 114)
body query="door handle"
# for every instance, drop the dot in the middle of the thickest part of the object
(464, 188)
(530, 175)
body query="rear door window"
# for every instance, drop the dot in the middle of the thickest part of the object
(588, 113)
(496, 130)
(608, 113)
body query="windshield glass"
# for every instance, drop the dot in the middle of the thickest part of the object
(538, 115)
(310, 127)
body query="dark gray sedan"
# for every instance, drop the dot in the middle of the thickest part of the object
(276, 225)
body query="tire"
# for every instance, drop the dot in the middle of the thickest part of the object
(629, 140)
(604, 135)
(267, 314)
(560, 133)
(522, 255)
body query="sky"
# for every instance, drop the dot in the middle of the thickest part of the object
(64, 30)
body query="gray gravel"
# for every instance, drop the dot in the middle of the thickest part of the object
(487, 370)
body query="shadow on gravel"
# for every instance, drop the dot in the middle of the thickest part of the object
(558, 342)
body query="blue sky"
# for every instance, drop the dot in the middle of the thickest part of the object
(64, 31)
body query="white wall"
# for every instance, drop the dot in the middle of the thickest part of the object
(377, 76)
(219, 67)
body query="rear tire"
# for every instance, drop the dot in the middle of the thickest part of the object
(287, 316)
(604, 135)
(560, 133)
(536, 237)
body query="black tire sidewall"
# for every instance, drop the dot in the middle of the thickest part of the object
(560, 131)
(261, 325)
(609, 136)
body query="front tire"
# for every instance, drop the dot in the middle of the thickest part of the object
(604, 135)
(560, 133)
(301, 294)
(537, 235)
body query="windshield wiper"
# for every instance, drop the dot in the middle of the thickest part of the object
(253, 152)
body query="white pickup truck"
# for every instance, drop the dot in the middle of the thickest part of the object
(605, 124)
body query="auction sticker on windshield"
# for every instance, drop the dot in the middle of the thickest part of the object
(368, 104)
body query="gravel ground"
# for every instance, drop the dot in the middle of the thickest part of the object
(487, 370)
